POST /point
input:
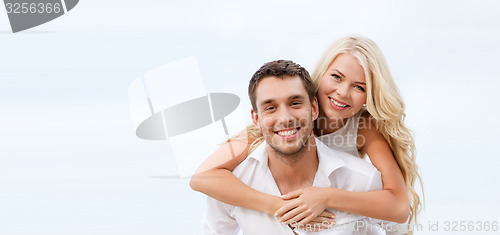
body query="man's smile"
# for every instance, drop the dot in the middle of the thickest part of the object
(288, 133)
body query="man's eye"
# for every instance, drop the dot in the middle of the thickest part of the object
(269, 108)
(296, 103)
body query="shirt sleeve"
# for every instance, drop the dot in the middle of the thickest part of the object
(218, 219)
(376, 182)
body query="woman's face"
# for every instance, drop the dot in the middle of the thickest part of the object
(342, 89)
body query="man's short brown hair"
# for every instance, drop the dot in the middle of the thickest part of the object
(280, 69)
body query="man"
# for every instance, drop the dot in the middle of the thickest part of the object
(284, 107)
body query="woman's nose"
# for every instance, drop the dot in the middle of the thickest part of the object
(342, 90)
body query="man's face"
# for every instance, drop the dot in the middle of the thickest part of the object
(284, 113)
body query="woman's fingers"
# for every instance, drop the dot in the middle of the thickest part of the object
(305, 220)
(328, 221)
(292, 195)
(303, 217)
(285, 209)
(288, 216)
(299, 223)
(327, 214)
(325, 220)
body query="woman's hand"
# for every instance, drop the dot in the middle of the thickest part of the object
(323, 221)
(304, 205)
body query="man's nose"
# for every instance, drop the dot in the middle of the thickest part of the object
(286, 116)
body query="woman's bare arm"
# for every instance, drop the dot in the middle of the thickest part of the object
(390, 204)
(214, 178)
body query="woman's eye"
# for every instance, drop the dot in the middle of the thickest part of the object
(360, 88)
(336, 77)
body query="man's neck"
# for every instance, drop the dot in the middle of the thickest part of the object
(294, 172)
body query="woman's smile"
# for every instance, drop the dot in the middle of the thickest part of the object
(338, 105)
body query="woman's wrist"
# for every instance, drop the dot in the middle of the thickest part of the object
(273, 204)
(332, 196)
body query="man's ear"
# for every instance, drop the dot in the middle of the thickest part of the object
(255, 119)
(315, 108)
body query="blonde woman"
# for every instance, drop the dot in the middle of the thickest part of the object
(361, 112)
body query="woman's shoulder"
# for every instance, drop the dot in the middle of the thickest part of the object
(366, 121)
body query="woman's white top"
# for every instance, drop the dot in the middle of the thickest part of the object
(344, 139)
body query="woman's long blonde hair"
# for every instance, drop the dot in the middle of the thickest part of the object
(383, 102)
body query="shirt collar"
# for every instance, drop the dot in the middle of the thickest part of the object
(260, 154)
(329, 161)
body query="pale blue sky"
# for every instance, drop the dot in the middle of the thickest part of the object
(69, 160)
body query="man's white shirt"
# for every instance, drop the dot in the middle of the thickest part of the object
(336, 169)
